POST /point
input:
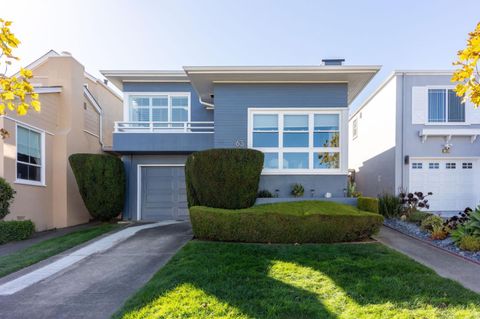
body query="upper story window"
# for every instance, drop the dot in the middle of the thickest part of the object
(161, 107)
(294, 141)
(445, 106)
(30, 161)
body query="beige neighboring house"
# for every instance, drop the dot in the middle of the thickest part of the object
(77, 116)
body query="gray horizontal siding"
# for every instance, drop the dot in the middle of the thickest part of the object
(233, 100)
(125, 143)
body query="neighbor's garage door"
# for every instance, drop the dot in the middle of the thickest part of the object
(452, 182)
(163, 193)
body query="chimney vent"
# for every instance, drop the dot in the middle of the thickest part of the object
(105, 81)
(66, 53)
(333, 61)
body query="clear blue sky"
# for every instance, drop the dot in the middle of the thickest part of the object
(141, 34)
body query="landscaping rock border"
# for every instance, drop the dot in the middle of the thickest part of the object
(447, 244)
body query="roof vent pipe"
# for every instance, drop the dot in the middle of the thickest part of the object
(333, 61)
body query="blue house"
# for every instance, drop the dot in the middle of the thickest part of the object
(297, 116)
(415, 134)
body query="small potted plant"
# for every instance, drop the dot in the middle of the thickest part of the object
(298, 190)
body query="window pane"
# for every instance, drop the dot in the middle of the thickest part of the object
(326, 160)
(265, 139)
(159, 115)
(139, 101)
(34, 173)
(22, 141)
(326, 122)
(295, 122)
(179, 101)
(270, 160)
(160, 101)
(22, 171)
(436, 105)
(295, 160)
(179, 115)
(264, 122)
(295, 139)
(140, 114)
(456, 109)
(326, 139)
(34, 146)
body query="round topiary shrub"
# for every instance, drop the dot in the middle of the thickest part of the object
(7, 194)
(431, 222)
(223, 178)
(101, 181)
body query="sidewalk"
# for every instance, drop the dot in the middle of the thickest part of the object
(445, 264)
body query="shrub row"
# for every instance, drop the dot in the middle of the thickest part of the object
(223, 178)
(246, 225)
(368, 204)
(13, 230)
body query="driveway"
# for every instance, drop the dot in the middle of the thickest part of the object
(98, 285)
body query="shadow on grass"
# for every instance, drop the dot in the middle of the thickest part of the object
(309, 281)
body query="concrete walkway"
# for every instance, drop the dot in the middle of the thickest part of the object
(447, 265)
(97, 285)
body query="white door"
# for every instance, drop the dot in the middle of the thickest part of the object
(452, 182)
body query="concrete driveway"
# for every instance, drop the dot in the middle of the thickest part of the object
(98, 285)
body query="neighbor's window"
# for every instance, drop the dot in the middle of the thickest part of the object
(159, 108)
(293, 140)
(29, 155)
(445, 106)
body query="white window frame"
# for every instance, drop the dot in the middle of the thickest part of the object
(446, 88)
(341, 149)
(42, 157)
(126, 103)
(355, 128)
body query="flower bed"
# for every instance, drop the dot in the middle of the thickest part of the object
(414, 230)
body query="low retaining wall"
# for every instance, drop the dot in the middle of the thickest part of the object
(342, 200)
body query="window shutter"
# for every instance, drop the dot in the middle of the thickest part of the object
(472, 114)
(419, 105)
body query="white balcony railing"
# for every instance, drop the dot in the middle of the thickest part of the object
(164, 127)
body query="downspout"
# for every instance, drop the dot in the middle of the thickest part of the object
(208, 105)
(402, 159)
(101, 128)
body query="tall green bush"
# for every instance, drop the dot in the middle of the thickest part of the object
(389, 205)
(7, 194)
(101, 181)
(223, 178)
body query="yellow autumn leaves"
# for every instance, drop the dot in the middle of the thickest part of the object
(16, 92)
(468, 75)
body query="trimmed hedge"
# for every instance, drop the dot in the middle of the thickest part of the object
(368, 204)
(298, 222)
(223, 178)
(101, 181)
(7, 194)
(13, 230)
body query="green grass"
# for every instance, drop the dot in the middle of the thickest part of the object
(231, 280)
(50, 247)
(300, 208)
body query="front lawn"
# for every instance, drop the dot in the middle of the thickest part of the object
(50, 247)
(231, 280)
(287, 222)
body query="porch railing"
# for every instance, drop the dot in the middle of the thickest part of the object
(163, 127)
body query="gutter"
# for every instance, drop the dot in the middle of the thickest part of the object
(209, 106)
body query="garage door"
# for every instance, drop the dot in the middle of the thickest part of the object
(452, 182)
(163, 193)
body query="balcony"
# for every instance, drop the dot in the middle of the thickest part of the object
(162, 137)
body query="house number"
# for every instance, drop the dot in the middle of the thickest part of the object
(239, 143)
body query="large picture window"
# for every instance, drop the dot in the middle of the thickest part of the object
(167, 108)
(29, 155)
(445, 106)
(295, 141)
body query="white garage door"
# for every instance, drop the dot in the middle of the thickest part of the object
(452, 182)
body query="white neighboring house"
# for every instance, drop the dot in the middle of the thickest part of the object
(414, 133)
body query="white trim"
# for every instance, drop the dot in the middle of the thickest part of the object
(139, 182)
(448, 133)
(126, 106)
(341, 149)
(42, 158)
(47, 89)
(91, 133)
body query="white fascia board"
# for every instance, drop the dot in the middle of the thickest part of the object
(47, 89)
